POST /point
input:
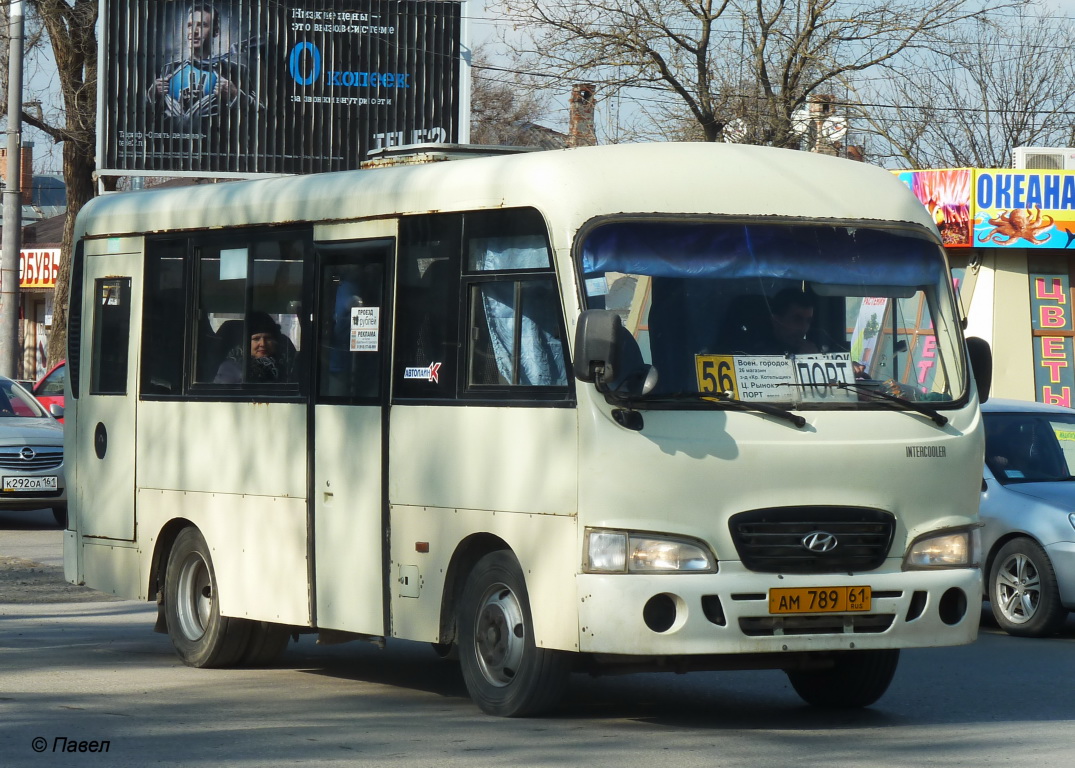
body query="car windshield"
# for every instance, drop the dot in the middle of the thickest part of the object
(1030, 447)
(815, 316)
(16, 401)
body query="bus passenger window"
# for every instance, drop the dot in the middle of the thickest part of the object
(163, 323)
(516, 334)
(249, 298)
(111, 332)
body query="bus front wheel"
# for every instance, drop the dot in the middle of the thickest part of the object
(505, 672)
(201, 636)
(855, 679)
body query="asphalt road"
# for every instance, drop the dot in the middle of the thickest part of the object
(79, 669)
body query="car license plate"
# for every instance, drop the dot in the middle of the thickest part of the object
(12, 484)
(819, 599)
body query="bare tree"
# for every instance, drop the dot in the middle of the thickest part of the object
(502, 104)
(70, 26)
(997, 86)
(715, 61)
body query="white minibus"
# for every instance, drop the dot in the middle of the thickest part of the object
(606, 409)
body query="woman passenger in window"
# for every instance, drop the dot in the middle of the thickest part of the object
(266, 354)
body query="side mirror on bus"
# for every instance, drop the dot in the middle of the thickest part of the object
(607, 355)
(981, 365)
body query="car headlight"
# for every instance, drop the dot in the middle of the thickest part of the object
(1071, 519)
(951, 549)
(628, 552)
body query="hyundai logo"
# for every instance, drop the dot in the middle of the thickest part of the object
(27, 453)
(819, 541)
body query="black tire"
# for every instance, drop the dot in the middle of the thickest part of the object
(856, 679)
(267, 641)
(505, 672)
(201, 636)
(1023, 591)
(60, 515)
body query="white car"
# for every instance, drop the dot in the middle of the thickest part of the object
(1028, 508)
(31, 454)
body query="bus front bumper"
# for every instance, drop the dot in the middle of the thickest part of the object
(729, 612)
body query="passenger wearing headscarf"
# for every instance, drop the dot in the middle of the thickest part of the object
(264, 362)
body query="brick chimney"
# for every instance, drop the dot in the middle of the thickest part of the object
(581, 133)
(26, 171)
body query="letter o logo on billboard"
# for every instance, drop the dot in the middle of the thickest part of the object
(298, 54)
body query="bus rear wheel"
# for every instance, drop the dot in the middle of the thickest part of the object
(201, 636)
(855, 679)
(505, 672)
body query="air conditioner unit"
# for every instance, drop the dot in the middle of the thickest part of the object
(1044, 158)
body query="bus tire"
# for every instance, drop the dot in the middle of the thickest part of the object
(506, 674)
(856, 679)
(200, 635)
(267, 641)
(1023, 592)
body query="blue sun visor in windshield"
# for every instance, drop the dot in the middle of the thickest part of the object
(821, 254)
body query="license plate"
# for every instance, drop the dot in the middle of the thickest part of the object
(11, 484)
(819, 599)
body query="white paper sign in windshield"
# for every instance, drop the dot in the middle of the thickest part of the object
(800, 378)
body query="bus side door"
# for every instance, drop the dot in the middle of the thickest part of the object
(105, 437)
(350, 398)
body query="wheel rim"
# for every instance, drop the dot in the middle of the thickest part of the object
(1018, 589)
(194, 597)
(499, 635)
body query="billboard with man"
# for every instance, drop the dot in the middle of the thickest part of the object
(246, 87)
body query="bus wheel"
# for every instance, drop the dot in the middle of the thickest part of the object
(1023, 591)
(267, 641)
(505, 673)
(856, 679)
(201, 636)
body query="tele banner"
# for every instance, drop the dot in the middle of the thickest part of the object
(252, 87)
(981, 208)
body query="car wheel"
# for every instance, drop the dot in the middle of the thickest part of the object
(201, 636)
(855, 679)
(60, 515)
(1023, 590)
(505, 672)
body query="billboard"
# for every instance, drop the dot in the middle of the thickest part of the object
(247, 87)
(987, 208)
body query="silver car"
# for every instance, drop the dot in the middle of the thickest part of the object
(1028, 508)
(31, 454)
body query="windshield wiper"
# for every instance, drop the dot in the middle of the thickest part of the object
(938, 418)
(726, 399)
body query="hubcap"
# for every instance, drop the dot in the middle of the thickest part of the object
(1018, 589)
(499, 635)
(194, 597)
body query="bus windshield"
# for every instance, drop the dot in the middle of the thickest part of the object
(811, 315)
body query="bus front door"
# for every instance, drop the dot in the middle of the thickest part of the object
(349, 418)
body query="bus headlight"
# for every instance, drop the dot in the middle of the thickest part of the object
(952, 549)
(629, 552)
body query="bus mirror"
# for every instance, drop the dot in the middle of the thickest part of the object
(607, 355)
(595, 357)
(981, 365)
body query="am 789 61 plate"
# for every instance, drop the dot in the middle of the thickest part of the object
(819, 599)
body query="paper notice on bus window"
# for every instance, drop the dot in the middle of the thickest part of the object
(365, 328)
(800, 378)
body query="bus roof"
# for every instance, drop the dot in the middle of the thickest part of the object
(570, 185)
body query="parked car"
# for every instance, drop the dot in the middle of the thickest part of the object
(1028, 508)
(49, 388)
(31, 454)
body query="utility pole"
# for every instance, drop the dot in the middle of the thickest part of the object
(9, 258)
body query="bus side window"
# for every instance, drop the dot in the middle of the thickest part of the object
(111, 332)
(427, 315)
(163, 324)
